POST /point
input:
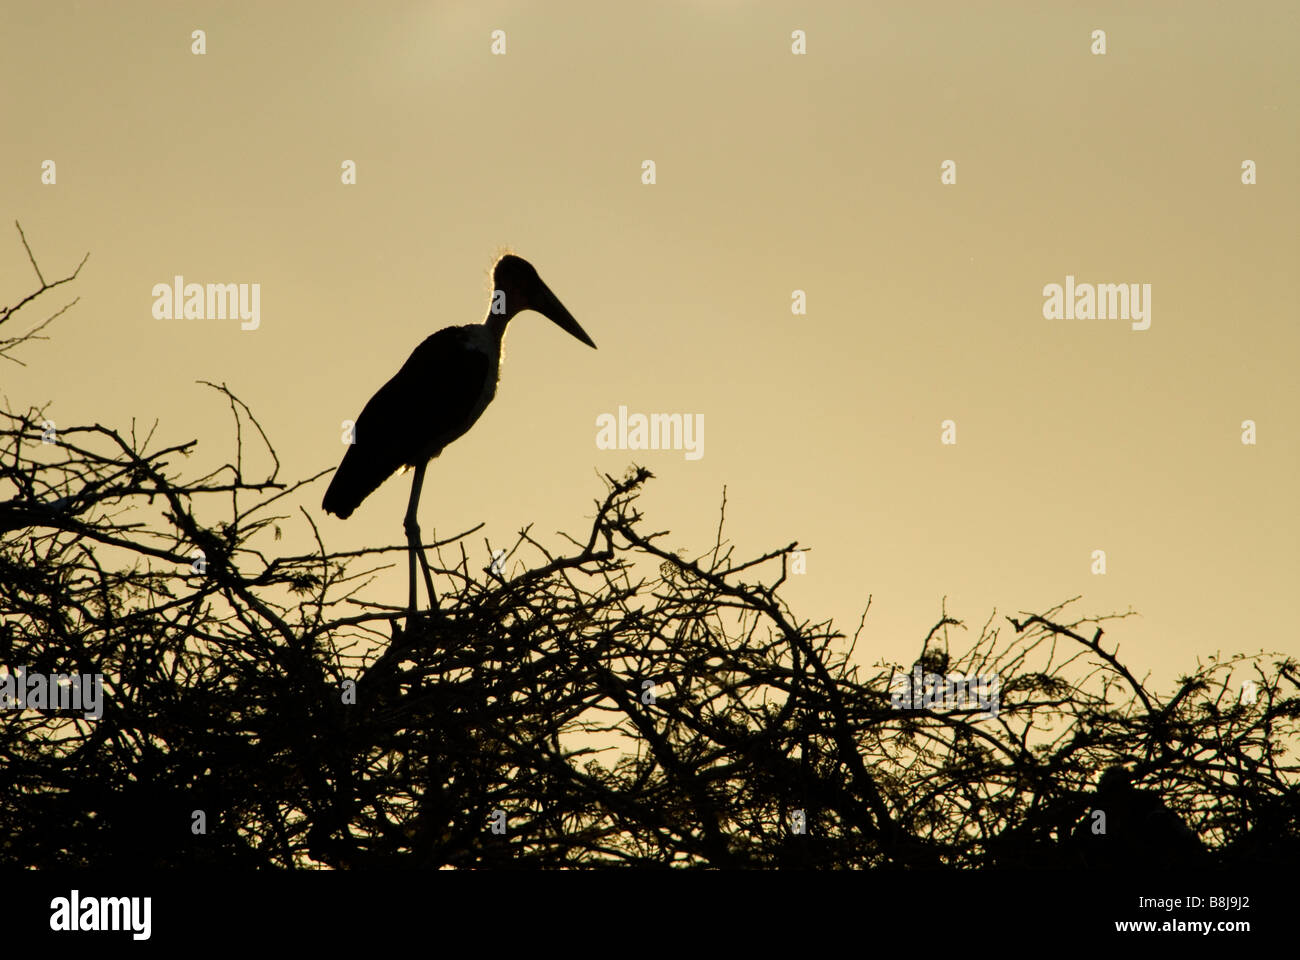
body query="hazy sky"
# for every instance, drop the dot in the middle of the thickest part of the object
(774, 172)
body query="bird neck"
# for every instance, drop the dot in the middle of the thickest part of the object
(496, 324)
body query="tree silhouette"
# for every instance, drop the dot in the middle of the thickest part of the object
(601, 701)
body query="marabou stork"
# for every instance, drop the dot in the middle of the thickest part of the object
(1140, 830)
(441, 390)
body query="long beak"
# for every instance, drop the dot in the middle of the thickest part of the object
(551, 308)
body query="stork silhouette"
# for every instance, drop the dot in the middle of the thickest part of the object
(437, 395)
(1137, 831)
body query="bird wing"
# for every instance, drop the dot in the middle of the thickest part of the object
(432, 400)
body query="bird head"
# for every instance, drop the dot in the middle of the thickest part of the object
(517, 283)
(1115, 779)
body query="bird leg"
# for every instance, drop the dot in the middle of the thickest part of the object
(415, 549)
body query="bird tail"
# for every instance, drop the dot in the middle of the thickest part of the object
(356, 478)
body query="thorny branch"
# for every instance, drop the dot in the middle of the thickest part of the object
(9, 344)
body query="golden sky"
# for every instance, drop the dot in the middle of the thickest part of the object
(774, 172)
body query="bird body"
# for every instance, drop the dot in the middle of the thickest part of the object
(454, 374)
(1137, 829)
